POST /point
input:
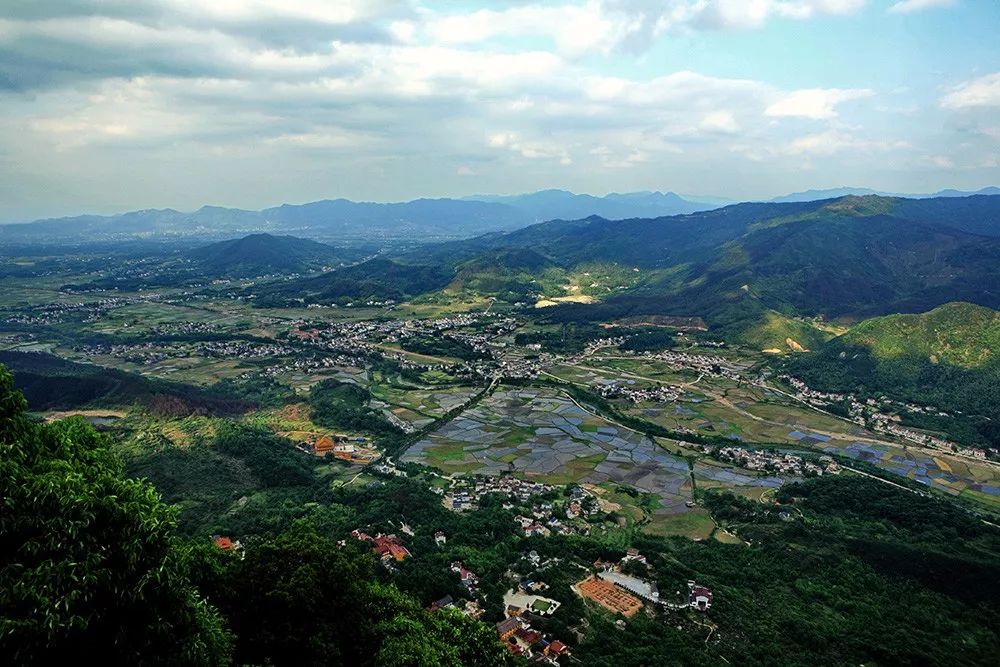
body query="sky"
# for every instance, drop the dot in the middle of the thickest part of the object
(115, 105)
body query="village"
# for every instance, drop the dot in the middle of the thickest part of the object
(881, 416)
(774, 462)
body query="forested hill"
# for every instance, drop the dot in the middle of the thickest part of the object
(258, 254)
(957, 334)
(948, 357)
(93, 565)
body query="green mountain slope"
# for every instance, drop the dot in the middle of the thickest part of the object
(259, 254)
(960, 334)
(377, 278)
(851, 257)
(948, 357)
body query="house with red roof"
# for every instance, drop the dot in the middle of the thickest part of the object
(556, 648)
(699, 597)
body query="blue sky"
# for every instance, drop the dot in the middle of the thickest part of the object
(120, 104)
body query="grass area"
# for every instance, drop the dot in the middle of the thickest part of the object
(696, 524)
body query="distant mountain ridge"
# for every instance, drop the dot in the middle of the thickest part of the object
(560, 204)
(346, 220)
(832, 193)
(419, 220)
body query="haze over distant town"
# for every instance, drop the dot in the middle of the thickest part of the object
(113, 106)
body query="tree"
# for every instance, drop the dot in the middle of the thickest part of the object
(89, 561)
(302, 599)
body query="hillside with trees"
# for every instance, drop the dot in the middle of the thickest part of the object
(92, 566)
(946, 357)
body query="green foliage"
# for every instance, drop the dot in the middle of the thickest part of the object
(271, 458)
(441, 346)
(344, 405)
(260, 254)
(302, 599)
(261, 389)
(376, 278)
(863, 572)
(957, 334)
(946, 358)
(89, 564)
(53, 383)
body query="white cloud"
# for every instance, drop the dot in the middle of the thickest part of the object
(405, 90)
(720, 121)
(938, 161)
(832, 141)
(725, 14)
(575, 30)
(532, 150)
(815, 103)
(908, 6)
(981, 92)
(606, 25)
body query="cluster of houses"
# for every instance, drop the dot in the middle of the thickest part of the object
(312, 364)
(466, 492)
(388, 548)
(363, 332)
(144, 354)
(558, 517)
(53, 313)
(151, 353)
(710, 365)
(872, 414)
(777, 462)
(522, 640)
(242, 349)
(468, 578)
(174, 328)
(626, 389)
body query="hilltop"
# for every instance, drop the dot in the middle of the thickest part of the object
(260, 254)
(958, 334)
(946, 357)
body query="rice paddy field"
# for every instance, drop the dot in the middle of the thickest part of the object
(420, 406)
(950, 474)
(544, 435)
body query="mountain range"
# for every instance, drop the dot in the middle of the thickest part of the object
(847, 258)
(832, 193)
(420, 220)
(344, 220)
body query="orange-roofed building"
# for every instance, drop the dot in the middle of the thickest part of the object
(224, 543)
(323, 445)
(556, 648)
(388, 546)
